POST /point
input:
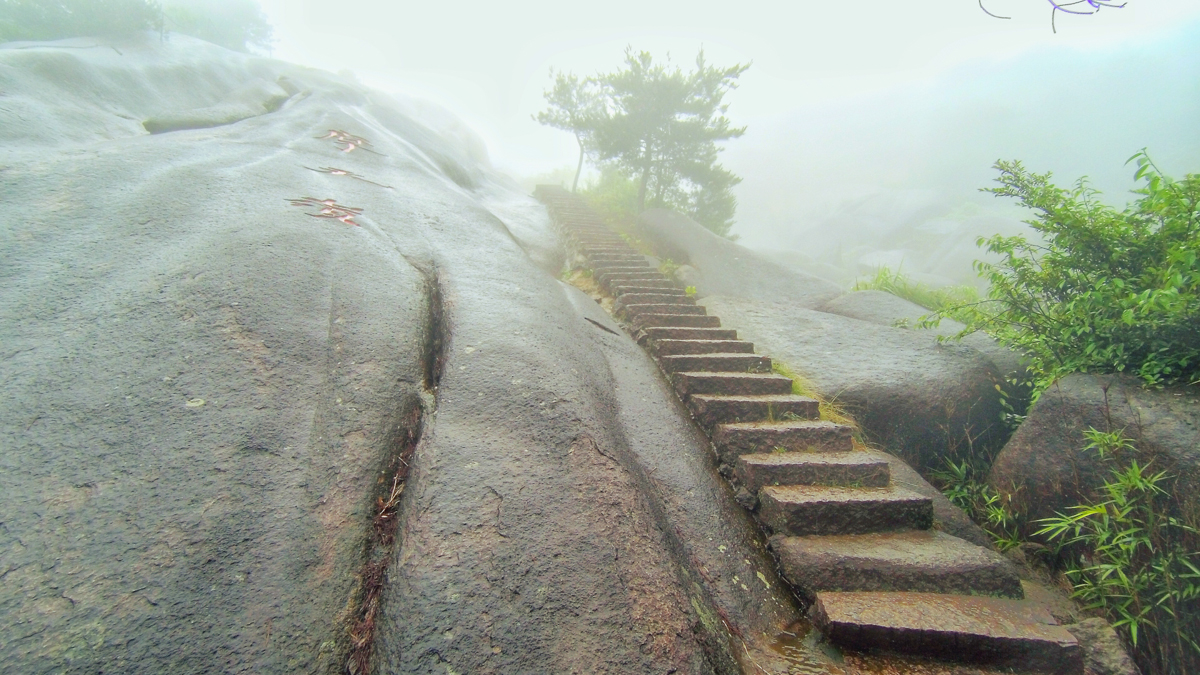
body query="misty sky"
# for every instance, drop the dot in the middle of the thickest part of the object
(842, 96)
(488, 61)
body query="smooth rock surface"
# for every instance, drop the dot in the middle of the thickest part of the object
(886, 309)
(913, 397)
(1103, 653)
(202, 383)
(721, 267)
(1045, 468)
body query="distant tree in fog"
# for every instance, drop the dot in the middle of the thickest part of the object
(660, 127)
(575, 107)
(234, 24)
(58, 19)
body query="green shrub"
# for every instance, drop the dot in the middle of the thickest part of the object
(233, 24)
(58, 19)
(1135, 559)
(1108, 291)
(936, 299)
(614, 196)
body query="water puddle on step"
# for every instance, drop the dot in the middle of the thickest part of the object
(804, 650)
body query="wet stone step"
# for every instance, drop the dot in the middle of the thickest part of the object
(711, 410)
(996, 631)
(817, 509)
(605, 277)
(584, 242)
(676, 333)
(645, 269)
(740, 438)
(847, 469)
(687, 384)
(622, 291)
(663, 308)
(601, 249)
(669, 347)
(717, 363)
(663, 285)
(643, 321)
(918, 560)
(620, 265)
(652, 299)
(616, 257)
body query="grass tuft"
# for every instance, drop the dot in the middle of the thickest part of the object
(830, 409)
(936, 299)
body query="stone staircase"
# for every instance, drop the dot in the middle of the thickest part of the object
(858, 549)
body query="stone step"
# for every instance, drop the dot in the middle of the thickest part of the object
(644, 321)
(732, 384)
(847, 469)
(711, 410)
(650, 285)
(676, 333)
(716, 363)
(670, 347)
(740, 438)
(582, 241)
(818, 509)
(596, 258)
(621, 291)
(618, 265)
(997, 631)
(918, 560)
(605, 277)
(652, 299)
(602, 249)
(662, 308)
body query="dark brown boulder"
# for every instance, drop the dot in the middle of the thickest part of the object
(1045, 467)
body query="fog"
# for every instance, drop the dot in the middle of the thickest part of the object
(871, 125)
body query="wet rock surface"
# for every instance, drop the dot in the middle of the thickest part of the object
(1045, 466)
(721, 267)
(206, 385)
(886, 309)
(913, 397)
(1103, 653)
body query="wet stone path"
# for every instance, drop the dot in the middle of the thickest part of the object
(859, 551)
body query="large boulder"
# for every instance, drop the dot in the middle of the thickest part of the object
(886, 309)
(1045, 467)
(913, 396)
(210, 392)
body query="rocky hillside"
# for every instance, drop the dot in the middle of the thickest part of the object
(289, 381)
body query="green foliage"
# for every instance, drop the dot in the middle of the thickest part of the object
(963, 484)
(1109, 291)
(58, 19)
(936, 299)
(614, 196)
(1135, 559)
(659, 127)
(574, 106)
(690, 291)
(234, 24)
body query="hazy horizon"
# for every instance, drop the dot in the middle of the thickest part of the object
(874, 112)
